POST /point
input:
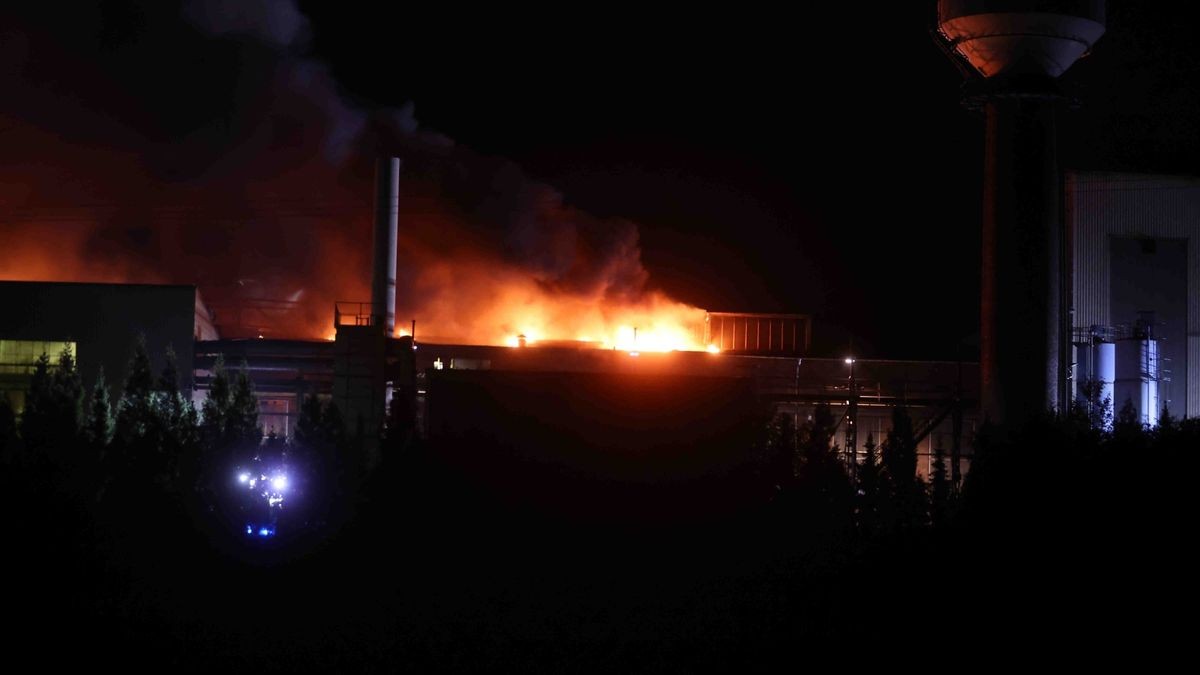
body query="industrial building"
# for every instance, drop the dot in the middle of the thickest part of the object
(1136, 291)
(1133, 240)
(100, 324)
(766, 363)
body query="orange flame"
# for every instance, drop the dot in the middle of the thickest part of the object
(478, 304)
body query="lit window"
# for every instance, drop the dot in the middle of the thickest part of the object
(18, 357)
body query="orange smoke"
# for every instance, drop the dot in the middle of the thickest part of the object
(582, 280)
(260, 195)
(486, 255)
(491, 303)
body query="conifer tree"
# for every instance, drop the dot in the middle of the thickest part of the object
(900, 453)
(821, 478)
(176, 419)
(308, 424)
(8, 430)
(333, 425)
(214, 412)
(1127, 420)
(1168, 432)
(136, 438)
(939, 488)
(50, 424)
(135, 409)
(782, 451)
(905, 496)
(100, 425)
(244, 429)
(870, 486)
(37, 417)
(68, 394)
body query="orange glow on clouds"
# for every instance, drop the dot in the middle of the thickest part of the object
(300, 240)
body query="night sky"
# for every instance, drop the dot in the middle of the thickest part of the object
(818, 165)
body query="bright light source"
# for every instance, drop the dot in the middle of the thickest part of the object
(249, 530)
(713, 349)
(633, 354)
(253, 482)
(264, 532)
(243, 477)
(849, 361)
(279, 483)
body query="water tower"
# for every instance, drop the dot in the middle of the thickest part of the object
(1012, 52)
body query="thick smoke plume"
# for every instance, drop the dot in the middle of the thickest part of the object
(202, 146)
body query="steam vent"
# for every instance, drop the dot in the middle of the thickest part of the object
(1012, 54)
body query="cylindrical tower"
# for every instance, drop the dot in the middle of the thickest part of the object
(1016, 49)
(383, 276)
(1148, 359)
(1104, 358)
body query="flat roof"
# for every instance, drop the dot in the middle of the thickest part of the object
(94, 283)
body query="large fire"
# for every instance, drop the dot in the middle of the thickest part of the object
(626, 329)
(493, 303)
(266, 208)
(274, 239)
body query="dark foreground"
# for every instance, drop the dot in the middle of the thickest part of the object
(436, 571)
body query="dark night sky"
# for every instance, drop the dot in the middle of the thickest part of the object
(819, 164)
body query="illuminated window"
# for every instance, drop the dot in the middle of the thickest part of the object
(18, 357)
(275, 414)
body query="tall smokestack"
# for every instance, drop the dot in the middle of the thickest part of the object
(387, 207)
(1016, 50)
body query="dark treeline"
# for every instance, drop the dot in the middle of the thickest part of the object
(121, 462)
(126, 527)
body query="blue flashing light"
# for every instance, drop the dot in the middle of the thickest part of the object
(264, 532)
(249, 530)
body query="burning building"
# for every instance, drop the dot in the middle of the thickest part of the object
(602, 356)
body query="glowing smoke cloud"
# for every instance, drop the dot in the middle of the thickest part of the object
(260, 187)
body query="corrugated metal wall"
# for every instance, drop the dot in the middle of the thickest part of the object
(1101, 206)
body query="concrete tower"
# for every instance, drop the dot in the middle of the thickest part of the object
(1016, 50)
(383, 269)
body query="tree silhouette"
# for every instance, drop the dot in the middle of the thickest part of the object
(214, 421)
(822, 485)
(905, 491)
(176, 420)
(136, 444)
(939, 488)
(100, 425)
(67, 389)
(870, 487)
(37, 419)
(50, 423)
(315, 455)
(781, 452)
(1099, 410)
(242, 426)
(8, 430)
